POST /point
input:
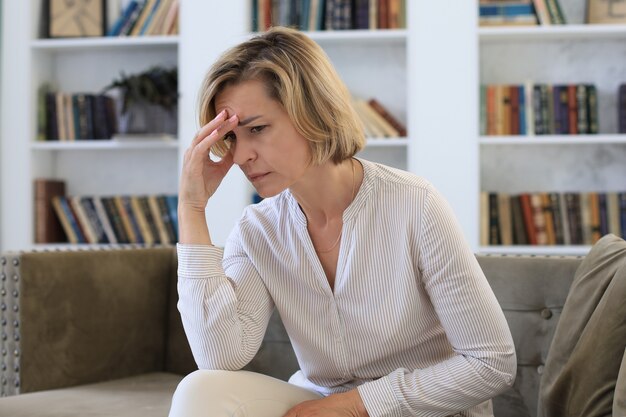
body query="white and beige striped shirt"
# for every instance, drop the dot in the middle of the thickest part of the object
(412, 321)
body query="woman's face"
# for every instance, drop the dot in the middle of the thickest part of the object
(265, 144)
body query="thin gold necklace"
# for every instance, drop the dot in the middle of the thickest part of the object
(341, 229)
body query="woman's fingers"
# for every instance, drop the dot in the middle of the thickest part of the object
(209, 127)
(211, 139)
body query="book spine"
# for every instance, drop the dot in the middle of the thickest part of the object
(494, 227)
(622, 108)
(592, 108)
(581, 106)
(48, 228)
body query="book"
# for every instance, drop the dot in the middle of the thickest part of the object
(83, 220)
(142, 222)
(158, 219)
(519, 230)
(484, 218)
(527, 214)
(69, 220)
(48, 228)
(541, 10)
(621, 108)
(539, 219)
(94, 219)
(382, 111)
(612, 204)
(505, 223)
(115, 219)
(104, 219)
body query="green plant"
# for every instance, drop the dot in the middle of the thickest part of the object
(156, 85)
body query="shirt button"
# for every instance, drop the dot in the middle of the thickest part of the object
(540, 369)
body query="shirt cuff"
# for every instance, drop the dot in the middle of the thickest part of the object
(199, 261)
(379, 399)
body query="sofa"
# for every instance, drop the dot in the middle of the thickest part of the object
(96, 332)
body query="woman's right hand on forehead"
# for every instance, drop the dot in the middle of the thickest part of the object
(201, 176)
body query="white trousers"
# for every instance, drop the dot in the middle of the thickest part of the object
(235, 394)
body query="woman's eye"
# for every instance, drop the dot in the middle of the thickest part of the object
(229, 137)
(257, 129)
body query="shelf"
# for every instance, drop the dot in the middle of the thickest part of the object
(555, 32)
(383, 142)
(103, 43)
(103, 144)
(535, 250)
(553, 139)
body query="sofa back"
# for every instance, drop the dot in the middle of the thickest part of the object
(74, 317)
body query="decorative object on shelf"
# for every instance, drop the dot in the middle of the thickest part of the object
(75, 18)
(606, 11)
(149, 101)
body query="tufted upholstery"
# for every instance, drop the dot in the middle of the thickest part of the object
(80, 318)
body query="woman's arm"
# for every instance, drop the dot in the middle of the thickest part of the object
(224, 319)
(484, 362)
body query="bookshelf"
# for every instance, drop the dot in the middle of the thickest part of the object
(569, 54)
(421, 81)
(89, 167)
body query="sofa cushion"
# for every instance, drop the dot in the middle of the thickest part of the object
(589, 342)
(146, 395)
(531, 291)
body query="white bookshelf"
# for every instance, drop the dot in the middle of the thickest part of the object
(569, 54)
(414, 72)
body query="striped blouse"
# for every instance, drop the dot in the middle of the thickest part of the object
(412, 321)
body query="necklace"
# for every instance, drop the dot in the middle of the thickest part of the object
(341, 229)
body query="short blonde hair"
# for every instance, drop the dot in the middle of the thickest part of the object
(299, 75)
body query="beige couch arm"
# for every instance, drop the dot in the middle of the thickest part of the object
(69, 318)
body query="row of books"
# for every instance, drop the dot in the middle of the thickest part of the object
(70, 117)
(539, 109)
(377, 121)
(550, 218)
(147, 18)
(329, 14)
(118, 219)
(520, 13)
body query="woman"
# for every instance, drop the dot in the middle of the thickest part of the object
(387, 309)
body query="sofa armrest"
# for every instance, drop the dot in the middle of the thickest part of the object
(75, 317)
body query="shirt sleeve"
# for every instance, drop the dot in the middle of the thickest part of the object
(484, 362)
(224, 305)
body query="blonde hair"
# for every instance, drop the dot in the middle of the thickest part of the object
(299, 75)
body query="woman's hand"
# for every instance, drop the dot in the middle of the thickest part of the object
(348, 404)
(201, 176)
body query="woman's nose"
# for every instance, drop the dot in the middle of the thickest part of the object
(243, 151)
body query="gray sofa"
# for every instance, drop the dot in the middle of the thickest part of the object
(96, 332)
